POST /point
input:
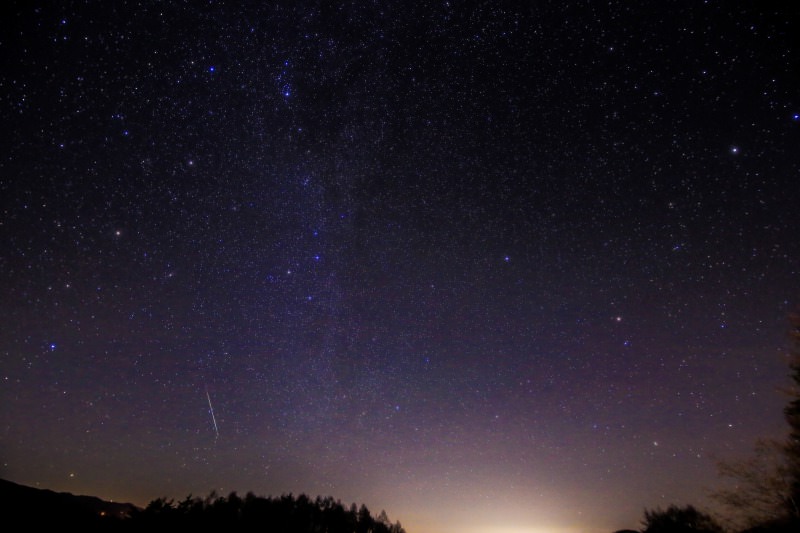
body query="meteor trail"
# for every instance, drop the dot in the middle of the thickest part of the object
(211, 409)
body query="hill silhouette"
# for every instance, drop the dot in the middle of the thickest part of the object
(42, 507)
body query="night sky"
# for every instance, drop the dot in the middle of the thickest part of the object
(491, 267)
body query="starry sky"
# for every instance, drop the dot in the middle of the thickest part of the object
(493, 267)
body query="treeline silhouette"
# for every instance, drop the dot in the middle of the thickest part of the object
(32, 509)
(284, 514)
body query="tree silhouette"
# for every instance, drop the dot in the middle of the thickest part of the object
(792, 415)
(679, 520)
(286, 514)
(766, 489)
(760, 486)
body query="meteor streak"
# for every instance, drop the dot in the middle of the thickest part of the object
(211, 409)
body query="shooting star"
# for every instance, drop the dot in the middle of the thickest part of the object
(211, 410)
